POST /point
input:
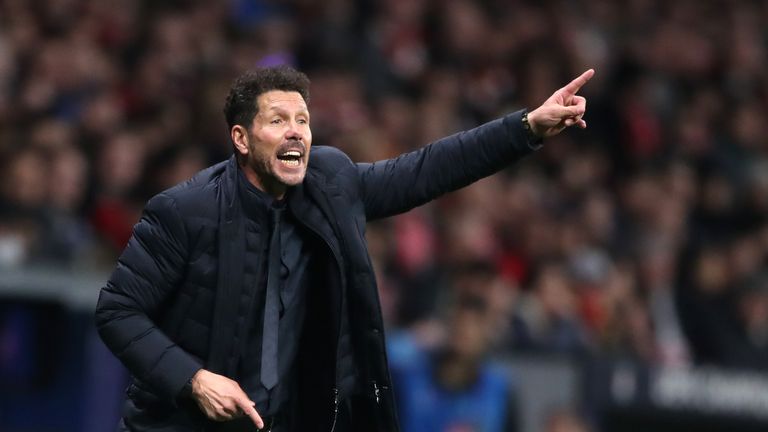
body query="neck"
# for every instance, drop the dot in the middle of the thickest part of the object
(274, 188)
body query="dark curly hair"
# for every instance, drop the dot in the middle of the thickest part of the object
(241, 106)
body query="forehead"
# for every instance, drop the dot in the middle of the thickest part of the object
(288, 100)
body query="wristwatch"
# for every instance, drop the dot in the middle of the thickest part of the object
(527, 126)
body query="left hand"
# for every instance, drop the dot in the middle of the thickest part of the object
(222, 399)
(561, 110)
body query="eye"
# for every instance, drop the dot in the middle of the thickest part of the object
(303, 121)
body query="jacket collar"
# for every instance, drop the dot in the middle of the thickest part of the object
(228, 189)
(231, 254)
(309, 204)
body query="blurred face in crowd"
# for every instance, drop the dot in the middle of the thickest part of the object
(470, 329)
(275, 151)
(25, 185)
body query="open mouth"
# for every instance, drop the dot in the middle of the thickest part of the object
(291, 158)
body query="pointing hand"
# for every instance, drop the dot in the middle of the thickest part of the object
(222, 399)
(563, 109)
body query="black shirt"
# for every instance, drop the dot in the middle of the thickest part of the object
(293, 284)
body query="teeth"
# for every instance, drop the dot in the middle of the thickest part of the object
(290, 162)
(292, 153)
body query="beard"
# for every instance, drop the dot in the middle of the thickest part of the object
(272, 172)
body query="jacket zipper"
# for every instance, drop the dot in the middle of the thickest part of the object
(340, 269)
(335, 408)
(377, 391)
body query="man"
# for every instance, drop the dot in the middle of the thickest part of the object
(246, 298)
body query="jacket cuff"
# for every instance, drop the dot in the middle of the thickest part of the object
(517, 132)
(172, 374)
(186, 391)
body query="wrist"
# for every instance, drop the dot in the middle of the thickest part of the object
(193, 385)
(529, 126)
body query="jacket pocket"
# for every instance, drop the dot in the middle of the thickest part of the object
(144, 398)
(145, 411)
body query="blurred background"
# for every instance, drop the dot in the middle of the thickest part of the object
(614, 281)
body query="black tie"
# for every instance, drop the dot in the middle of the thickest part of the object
(271, 306)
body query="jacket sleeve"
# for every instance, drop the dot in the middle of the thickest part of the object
(397, 185)
(148, 272)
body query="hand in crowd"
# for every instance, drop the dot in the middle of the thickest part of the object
(222, 399)
(563, 109)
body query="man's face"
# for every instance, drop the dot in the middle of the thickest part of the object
(279, 140)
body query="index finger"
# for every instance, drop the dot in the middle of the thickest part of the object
(574, 86)
(246, 406)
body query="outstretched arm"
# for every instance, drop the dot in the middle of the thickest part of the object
(397, 185)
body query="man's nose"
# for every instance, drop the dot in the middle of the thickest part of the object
(294, 132)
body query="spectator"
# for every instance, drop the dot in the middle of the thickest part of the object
(548, 320)
(114, 210)
(24, 194)
(68, 238)
(453, 386)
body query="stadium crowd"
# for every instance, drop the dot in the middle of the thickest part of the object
(643, 237)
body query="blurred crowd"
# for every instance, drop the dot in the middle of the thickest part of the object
(643, 237)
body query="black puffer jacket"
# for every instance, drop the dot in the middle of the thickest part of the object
(170, 307)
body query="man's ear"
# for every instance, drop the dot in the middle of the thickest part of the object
(240, 139)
